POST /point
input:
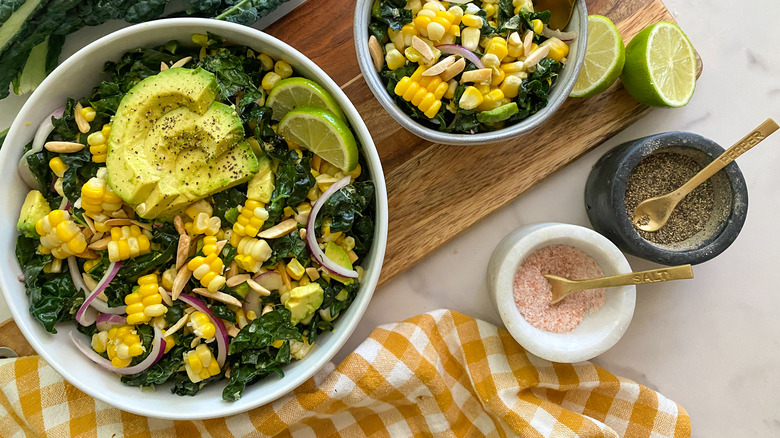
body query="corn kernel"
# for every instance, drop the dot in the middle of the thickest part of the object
(471, 98)
(270, 80)
(283, 69)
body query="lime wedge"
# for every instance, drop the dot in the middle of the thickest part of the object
(604, 58)
(660, 66)
(323, 133)
(292, 93)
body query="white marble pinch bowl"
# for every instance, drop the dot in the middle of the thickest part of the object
(599, 331)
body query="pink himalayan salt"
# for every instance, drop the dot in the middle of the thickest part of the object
(533, 292)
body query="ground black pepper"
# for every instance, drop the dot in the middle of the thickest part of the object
(663, 172)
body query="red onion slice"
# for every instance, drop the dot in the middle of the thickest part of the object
(271, 280)
(221, 335)
(44, 129)
(158, 350)
(111, 272)
(563, 36)
(311, 234)
(455, 49)
(105, 321)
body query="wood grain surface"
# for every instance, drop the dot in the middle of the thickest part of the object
(436, 191)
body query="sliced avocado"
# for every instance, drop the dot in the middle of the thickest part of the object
(261, 186)
(171, 144)
(35, 207)
(303, 301)
(338, 256)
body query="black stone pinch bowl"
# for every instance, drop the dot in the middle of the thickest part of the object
(605, 199)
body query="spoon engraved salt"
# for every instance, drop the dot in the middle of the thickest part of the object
(561, 287)
(653, 213)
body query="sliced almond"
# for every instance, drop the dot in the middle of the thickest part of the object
(189, 310)
(182, 62)
(101, 244)
(514, 39)
(423, 48)
(183, 250)
(96, 236)
(285, 277)
(302, 233)
(257, 288)
(179, 324)
(536, 56)
(118, 222)
(63, 147)
(163, 66)
(89, 281)
(195, 342)
(477, 76)
(440, 67)
(453, 70)
(267, 309)
(182, 277)
(81, 122)
(179, 225)
(237, 279)
(142, 225)
(119, 214)
(281, 229)
(232, 270)
(231, 328)
(376, 53)
(528, 41)
(219, 296)
(166, 297)
(90, 224)
(312, 273)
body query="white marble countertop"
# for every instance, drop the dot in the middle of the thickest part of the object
(712, 344)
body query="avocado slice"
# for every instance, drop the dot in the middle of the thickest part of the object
(340, 257)
(261, 186)
(303, 301)
(172, 144)
(34, 208)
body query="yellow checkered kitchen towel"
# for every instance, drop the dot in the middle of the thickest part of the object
(437, 374)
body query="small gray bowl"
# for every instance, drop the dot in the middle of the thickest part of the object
(559, 93)
(605, 199)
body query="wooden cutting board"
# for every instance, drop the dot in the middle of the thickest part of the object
(437, 191)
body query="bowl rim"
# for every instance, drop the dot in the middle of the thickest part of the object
(348, 323)
(510, 254)
(556, 99)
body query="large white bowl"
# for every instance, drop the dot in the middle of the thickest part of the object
(75, 78)
(599, 331)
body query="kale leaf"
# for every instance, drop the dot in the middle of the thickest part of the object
(344, 206)
(290, 245)
(231, 77)
(392, 13)
(293, 182)
(53, 297)
(248, 11)
(227, 200)
(533, 93)
(251, 355)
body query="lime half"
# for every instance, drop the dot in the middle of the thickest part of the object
(323, 133)
(660, 66)
(604, 58)
(292, 93)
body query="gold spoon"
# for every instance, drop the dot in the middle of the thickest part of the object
(652, 214)
(561, 287)
(560, 11)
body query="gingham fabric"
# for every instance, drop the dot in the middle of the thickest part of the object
(438, 374)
